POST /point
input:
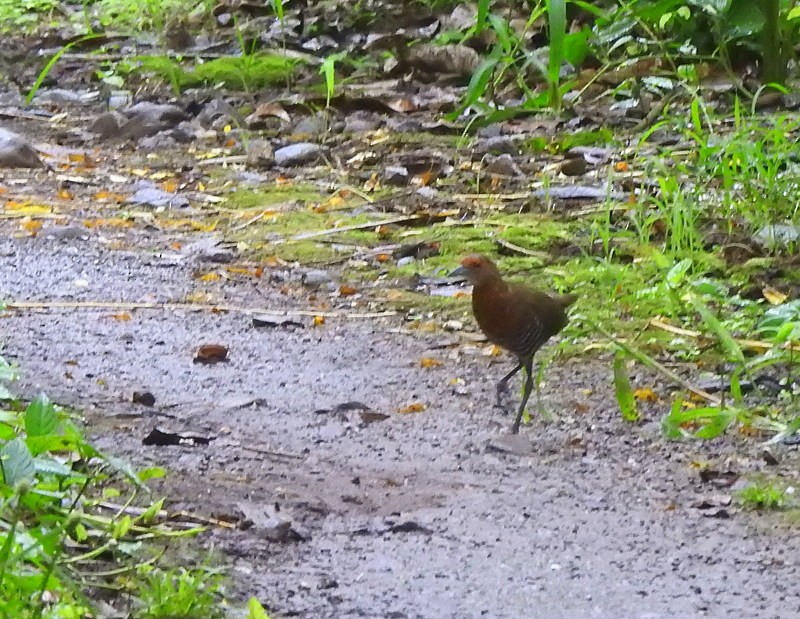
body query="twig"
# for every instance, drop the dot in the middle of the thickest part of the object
(187, 306)
(273, 452)
(492, 196)
(750, 344)
(519, 250)
(252, 220)
(369, 224)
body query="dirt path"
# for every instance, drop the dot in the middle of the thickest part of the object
(417, 515)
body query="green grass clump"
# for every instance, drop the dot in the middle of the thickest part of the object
(762, 495)
(247, 72)
(66, 530)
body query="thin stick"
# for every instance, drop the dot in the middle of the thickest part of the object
(751, 344)
(369, 224)
(102, 305)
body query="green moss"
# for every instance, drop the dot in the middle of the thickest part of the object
(247, 72)
(265, 197)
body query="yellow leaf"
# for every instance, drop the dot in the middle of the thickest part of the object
(112, 222)
(28, 209)
(428, 362)
(209, 277)
(416, 407)
(318, 321)
(31, 225)
(645, 395)
(773, 295)
(202, 298)
(65, 194)
(122, 316)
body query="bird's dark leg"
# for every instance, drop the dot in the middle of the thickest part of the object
(501, 386)
(526, 393)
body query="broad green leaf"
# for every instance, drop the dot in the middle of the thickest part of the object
(669, 424)
(17, 463)
(41, 417)
(677, 273)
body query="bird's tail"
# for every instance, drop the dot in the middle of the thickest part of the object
(565, 300)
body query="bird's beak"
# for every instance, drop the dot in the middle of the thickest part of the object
(462, 272)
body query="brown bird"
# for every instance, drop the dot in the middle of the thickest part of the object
(515, 317)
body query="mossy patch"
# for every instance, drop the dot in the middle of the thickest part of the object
(247, 72)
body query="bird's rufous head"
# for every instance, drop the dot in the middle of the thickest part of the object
(477, 269)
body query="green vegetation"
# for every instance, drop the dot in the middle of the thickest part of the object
(248, 72)
(79, 525)
(763, 495)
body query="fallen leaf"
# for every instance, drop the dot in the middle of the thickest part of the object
(208, 277)
(113, 222)
(211, 353)
(248, 271)
(160, 438)
(428, 362)
(773, 295)
(416, 407)
(621, 166)
(26, 208)
(346, 290)
(32, 226)
(65, 194)
(318, 321)
(110, 196)
(645, 395)
(145, 398)
(170, 185)
(121, 317)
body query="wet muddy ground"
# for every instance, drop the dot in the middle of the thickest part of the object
(431, 514)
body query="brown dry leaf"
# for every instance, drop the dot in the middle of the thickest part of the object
(175, 245)
(416, 407)
(121, 316)
(246, 271)
(112, 222)
(428, 362)
(318, 321)
(383, 257)
(110, 196)
(170, 185)
(773, 295)
(31, 226)
(211, 353)
(269, 109)
(423, 179)
(346, 290)
(645, 395)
